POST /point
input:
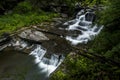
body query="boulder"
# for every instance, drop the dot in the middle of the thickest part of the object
(33, 36)
(64, 15)
(5, 38)
(90, 16)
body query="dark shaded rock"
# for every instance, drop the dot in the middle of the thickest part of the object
(82, 24)
(57, 20)
(64, 9)
(78, 8)
(5, 35)
(72, 22)
(73, 33)
(61, 26)
(64, 15)
(81, 28)
(54, 46)
(2, 11)
(90, 16)
(3, 47)
(5, 38)
(90, 10)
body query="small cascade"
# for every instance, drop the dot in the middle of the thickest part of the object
(84, 24)
(38, 53)
(19, 44)
(78, 30)
(47, 65)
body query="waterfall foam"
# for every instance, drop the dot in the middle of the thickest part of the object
(38, 53)
(50, 65)
(19, 44)
(83, 23)
(47, 65)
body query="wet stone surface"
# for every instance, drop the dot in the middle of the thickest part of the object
(34, 53)
(29, 38)
(27, 60)
(33, 35)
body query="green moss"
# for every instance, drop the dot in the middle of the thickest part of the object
(12, 22)
(24, 14)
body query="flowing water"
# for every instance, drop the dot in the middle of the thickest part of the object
(83, 23)
(23, 60)
(15, 64)
(83, 28)
(48, 65)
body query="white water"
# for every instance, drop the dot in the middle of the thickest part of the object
(88, 31)
(38, 53)
(19, 44)
(47, 65)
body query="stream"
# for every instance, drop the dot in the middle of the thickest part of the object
(34, 55)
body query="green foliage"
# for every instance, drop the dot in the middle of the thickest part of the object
(113, 53)
(105, 41)
(107, 44)
(9, 23)
(108, 41)
(73, 67)
(23, 7)
(91, 2)
(59, 75)
(81, 68)
(23, 15)
(111, 16)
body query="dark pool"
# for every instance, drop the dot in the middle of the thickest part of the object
(16, 65)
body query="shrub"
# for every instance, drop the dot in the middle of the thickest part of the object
(23, 7)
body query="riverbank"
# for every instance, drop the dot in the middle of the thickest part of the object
(12, 22)
(97, 61)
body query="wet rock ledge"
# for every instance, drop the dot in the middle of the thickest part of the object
(26, 40)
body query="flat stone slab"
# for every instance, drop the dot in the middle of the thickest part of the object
(33, 35)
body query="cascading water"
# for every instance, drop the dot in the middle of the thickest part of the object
(37, 62)
(38, 53)
(19, 44)
(83, 24)
(47, 65)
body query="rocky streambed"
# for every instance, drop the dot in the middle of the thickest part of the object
(31, 54)
(34, 53)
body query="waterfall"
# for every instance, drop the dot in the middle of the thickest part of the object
(38, 53)
(84, 31)
(84, 24)
(47, 65)
(18, 44)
